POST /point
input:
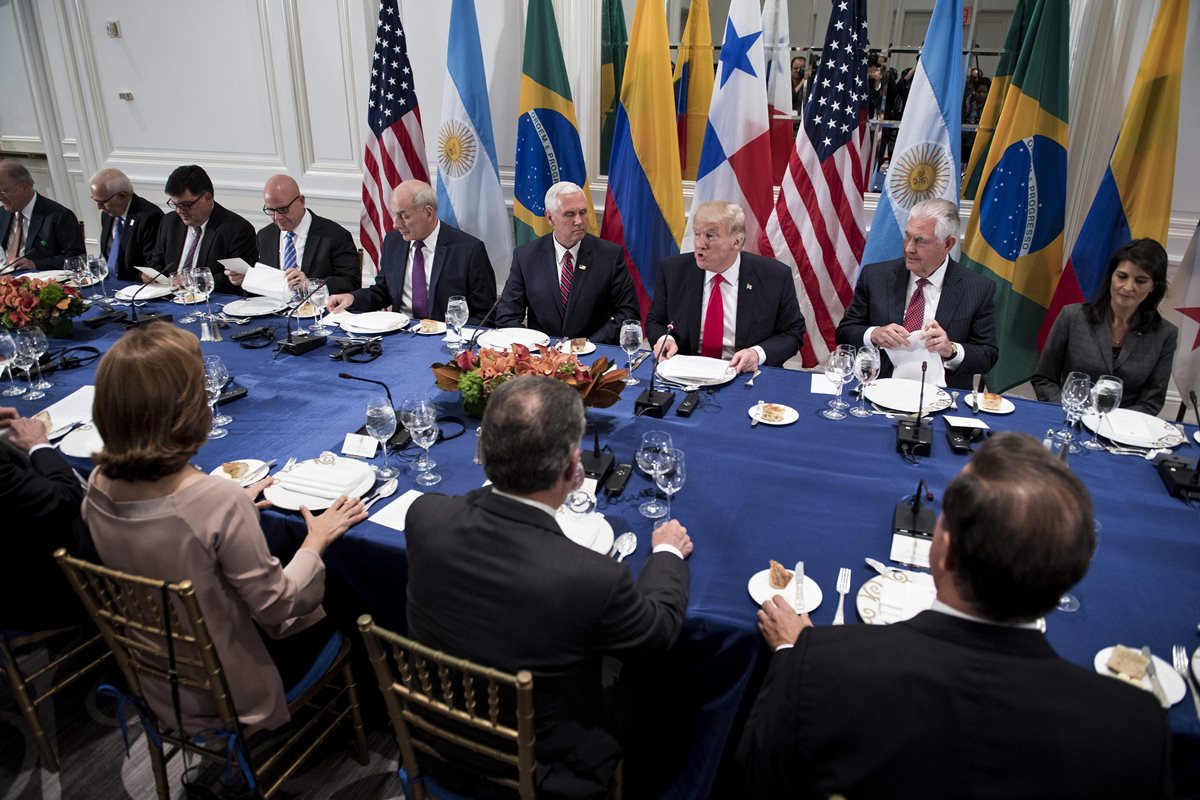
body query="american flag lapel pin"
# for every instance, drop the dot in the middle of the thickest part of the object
(749, 287)
(582, 267)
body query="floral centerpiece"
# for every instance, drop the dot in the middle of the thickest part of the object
(476, 376)
(48, 305)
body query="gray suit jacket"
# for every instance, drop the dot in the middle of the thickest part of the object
(1076, 345)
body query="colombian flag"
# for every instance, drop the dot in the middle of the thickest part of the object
(1015, 232)
(548, 148)
(1134, 197)
(643, 210)
(694, 74)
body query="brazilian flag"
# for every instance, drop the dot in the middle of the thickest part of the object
(614, 42)
(1015, 234)
(548, 148)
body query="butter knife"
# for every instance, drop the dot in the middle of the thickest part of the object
(975, 381)
(757, 418)
(1155, 684)
(258, 473)
(798, 581)
(55, 435)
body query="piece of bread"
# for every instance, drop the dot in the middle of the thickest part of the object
(430, 326)
(990, 402)
(306, 309)
(44, 418)
(773, 412)
(579, 345)
(1128, 663)
(235, 469)
(780, 576)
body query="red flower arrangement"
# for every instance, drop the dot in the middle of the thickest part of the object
(45, 304)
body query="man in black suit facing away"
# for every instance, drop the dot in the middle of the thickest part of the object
(35, 231)
(493, 579)
(201, 231)
(954, 308)
(721, 302)
(569, 283)
(451, 263)
(974, 701)
(309, 247)
(128, 224)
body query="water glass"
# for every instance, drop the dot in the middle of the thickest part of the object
(8, 358)
(319, 297)
(457, 314)
(214, 382)
(31, 343)
(866, 369)
(205, 282)
(183, 286)
(1106, 398)
(670, 479)
(651, 457)
(381, 425)
(839, 368)
(410, 405)
(220, 372)
(1076, 397)
(97, 268)
(631, 340)
(38, 345)
(424, 431)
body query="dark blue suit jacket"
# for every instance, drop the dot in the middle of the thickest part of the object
(460, 267)
(142, 219)
(54, 234)
(329, 253)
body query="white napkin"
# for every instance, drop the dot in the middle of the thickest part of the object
(693, 368)
(901, 600)
(1133, 425)
(906, 361)
(374, 320)
(267, 282)
(327, 481)
(394, 514)
(143, 292)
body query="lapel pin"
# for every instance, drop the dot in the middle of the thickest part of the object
(749, 287)
(582, 267)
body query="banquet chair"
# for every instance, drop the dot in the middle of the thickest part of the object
(470, 717)
(129, 610)
(87, 651)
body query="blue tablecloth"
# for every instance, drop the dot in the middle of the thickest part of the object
(817, 490)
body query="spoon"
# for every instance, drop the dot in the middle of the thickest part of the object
(954, 401)
(880, 567)
(625, 544)
(386, 490)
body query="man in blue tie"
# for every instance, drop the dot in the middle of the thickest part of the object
(128, 224)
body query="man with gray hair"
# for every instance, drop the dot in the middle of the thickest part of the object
(493, 579)
(128, 224)
(35, 231)
(569, 283)
(424, 263)
(927, 291)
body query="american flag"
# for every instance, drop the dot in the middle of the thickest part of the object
(817, 225)
(395, 149)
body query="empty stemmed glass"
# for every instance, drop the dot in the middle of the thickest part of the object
(381, 425)
(214, 381)
(1076, 396)
(670, 479)
(78, 269)
(8, 358)
(318, 298)
(203, 280)
(423, 428)
(839, 368)
(457, 314)
(866, 369)
(631, 340)
(220, 372)
(409, 405)
(97, 268)
(1105, 399)
(850, 352)
(651, 457)
(183, 286)
(36, 344)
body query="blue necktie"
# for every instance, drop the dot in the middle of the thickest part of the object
(114, 247)
(289, 250)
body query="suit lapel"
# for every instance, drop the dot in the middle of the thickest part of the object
(693, 301)
(106, 226)
(1102, 336)
(439, 258)
(5, 228)
(550, 255)
(951, 294)
(37, 221)
(579, 280)
(398, 267)
(747, 277)
(899, 290)
(310, 249)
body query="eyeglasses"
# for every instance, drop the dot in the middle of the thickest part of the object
(186, 205)
(100, 203)
(281, 210)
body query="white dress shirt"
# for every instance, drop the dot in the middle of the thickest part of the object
(187, 240)
(430, 249)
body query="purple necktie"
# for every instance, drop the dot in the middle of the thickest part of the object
(420, 289)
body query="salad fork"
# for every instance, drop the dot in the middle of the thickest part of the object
(843, 586)
(1179, 658)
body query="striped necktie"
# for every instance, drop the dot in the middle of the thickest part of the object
(564, 282)
(190, 256)
(289, 250)
(914, 315)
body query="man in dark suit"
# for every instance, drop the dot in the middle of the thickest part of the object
(41, 497)
(967, 699)
(35, 231)
(493, 579)
(201, 231)
(128, 224)
(954, 309)
(309, 247)
(453, 263)
(569, 283)
(721, 302)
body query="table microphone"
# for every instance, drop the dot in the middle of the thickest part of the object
(654, 402)
(912, 518)
(133, 320)
(1195, 407)
(298, 343)
(401, 437)
(482, 322)
(596, 464)
(914, 437)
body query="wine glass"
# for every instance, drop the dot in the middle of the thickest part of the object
(38, 347)
(850, 351)
(839, 368)
(381, 425)
(456, 316)
(183, 286)
(8, 358)
(651, 456)
(204, 282)
(77, 267)
(220, 371)
(410, 404)
(24, 358)
(214, 381)
(318, 298)
(1106, 398)
(1076, 395)
(670, 478)
(866, 369)
(97, 269)
(631, 340)
(424, 432)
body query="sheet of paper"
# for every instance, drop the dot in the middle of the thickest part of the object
(910, 550)
(159, 278)
(394, 513)
(267, 282)
(358, 445)
(822, 385)
(906, 361)
(966, 422)
(237, 265)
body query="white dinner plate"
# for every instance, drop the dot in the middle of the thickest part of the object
(790, 415)
(81, 442)
(438, 330)
(252, 463)
(588, 347)
(1196, 436)
(374, 322)
(871, 592)
(1135, 429)
(1196, 654)
(760, 589)
(60, 275)
(592, 530)
(1171, 681)
(1006, 406)
(147, 291)
(696, 371)
(503, 338)
(901, 394)
(255, 307)
(292, 500)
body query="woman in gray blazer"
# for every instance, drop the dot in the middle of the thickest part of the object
(1119, 332)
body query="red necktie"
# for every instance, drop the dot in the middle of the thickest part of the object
(714, 322)
(564, 283)
(914, 315)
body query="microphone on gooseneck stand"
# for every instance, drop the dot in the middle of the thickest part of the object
(914, 437)
(298, 343)
(912, 518)
(400, 438)
(596, 464)
(134, 320)
(654, 402)
(482, 322)
(1195, 406)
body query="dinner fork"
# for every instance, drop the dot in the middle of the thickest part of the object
(1179, 658)
(750, 382)
(843, 586)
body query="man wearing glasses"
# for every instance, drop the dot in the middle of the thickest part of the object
(302, 244)
(201, 231)
(128, 224)
(35, 231)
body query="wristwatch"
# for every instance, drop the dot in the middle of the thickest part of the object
(954, 354)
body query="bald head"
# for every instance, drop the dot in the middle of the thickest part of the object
(414, 210)
(283, 202)
(111, 191)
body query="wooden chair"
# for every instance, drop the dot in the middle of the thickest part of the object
(87, 651)
(128, 609)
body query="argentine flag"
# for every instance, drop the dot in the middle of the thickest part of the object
(926, 159)
(468, 181)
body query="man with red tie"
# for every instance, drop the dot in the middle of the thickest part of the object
(720, 302)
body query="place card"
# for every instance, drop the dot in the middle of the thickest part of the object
(358, 445)
(965, 422)
(822, 385)
(912, 551)
(394, 513)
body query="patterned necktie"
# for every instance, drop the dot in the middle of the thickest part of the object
(190, 256)
(564, 281)
(714, 322)
(289, 250)
(420, 285)
(14, 238)
(914, 315)
(114, 247)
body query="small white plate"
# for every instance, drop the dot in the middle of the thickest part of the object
(902, 394)
(291, 500)
(760, 589)
(81, 442)
(1006, 406)
(438, 331)
(374, 322)
(255, 307)
(252, 463)
(1134, 429)
(790, 415)
(1172, 683)
(144, 292)
(197, 298)
(503, 338)
(588, 347)
(592, 530)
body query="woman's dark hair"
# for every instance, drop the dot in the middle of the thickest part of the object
(1148, 255)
